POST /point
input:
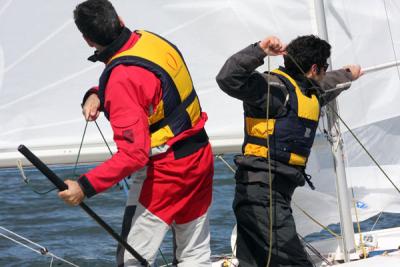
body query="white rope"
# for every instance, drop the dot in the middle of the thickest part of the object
(42, 250)
(220, 157)
(21, 170)
(376, 221)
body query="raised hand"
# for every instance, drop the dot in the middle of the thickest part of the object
(272, 46)
(355, 70)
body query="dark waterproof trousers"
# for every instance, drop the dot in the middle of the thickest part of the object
(251, 207)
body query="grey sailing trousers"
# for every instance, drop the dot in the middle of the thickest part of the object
(145, 232)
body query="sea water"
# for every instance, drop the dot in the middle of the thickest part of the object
(69, 233)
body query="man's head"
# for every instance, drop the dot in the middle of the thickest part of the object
(310, 53)
(98, 21)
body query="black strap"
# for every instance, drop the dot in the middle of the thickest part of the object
(308, 177)
(190, 145)
(256, 140)
(181, 108)
(292, 147)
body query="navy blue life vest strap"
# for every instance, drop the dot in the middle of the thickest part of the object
(190, 144)
(275, 145)
(171, 100)
(176, 116)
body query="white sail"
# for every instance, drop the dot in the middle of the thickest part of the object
(44, 74)
(360, 33)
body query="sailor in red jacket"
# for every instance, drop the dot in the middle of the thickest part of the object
(147, 94)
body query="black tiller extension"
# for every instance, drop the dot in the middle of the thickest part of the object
(62, 186)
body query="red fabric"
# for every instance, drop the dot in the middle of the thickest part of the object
(130, 92)
(179, 190)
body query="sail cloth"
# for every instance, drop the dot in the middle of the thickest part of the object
(44, 74)
(366, 33)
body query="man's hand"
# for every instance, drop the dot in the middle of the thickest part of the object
(272, 46)
(91, 108)
(73, 195)
(355, 71)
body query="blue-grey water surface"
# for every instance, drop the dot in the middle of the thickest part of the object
(70, 233)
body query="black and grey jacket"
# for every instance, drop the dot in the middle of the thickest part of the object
(239, 79)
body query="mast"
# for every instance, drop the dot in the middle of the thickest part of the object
(346, 223)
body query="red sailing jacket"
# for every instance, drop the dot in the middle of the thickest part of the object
(131, 91)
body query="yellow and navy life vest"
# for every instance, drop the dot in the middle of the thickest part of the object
(179, 108)
(291, 135)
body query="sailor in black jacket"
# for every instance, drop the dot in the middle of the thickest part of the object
(294, 94)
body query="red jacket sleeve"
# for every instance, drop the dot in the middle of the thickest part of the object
(130, 92)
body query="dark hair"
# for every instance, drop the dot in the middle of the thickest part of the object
(98, 21)
(305, 51)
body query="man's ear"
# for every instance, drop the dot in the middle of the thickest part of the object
(89, 42)
(315, 68)
(121, 22)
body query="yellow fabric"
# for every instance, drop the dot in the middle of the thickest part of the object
(261, 151)
(194, 111)
(255, 150)
(161, 136)
(158, 51)
(308, 108)
(297, 160)
(158, 114)
(258, 127)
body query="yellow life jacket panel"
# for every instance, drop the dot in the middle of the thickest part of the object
(291, 135)
(179, 109)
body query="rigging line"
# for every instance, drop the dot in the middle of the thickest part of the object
(314, 250)
(230, 262)
(354, 202)
(220, 157)
(80, 148)
(267, 111)
(27, 181)
(318, 223)
(376, 221)
(356, 138)
(303, 211)
(391, 37)
(42, 250)
(365, 149)
(398, 73)
(104, 139)
(55, 179)
(125, 184)
(362, 244)
(348, 128)
(269, 166)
